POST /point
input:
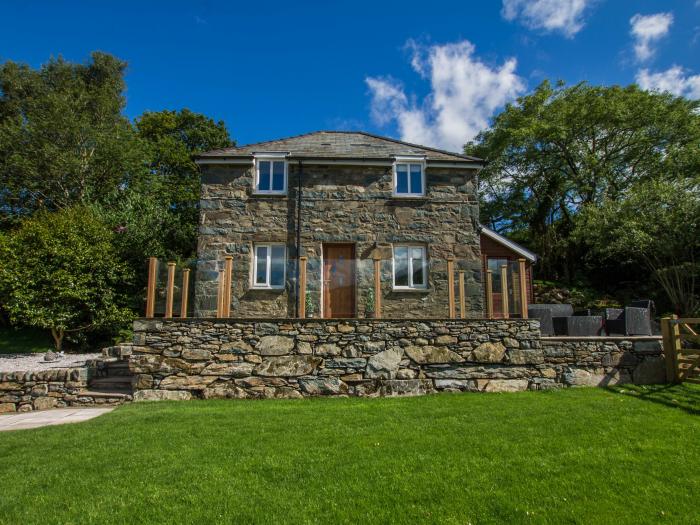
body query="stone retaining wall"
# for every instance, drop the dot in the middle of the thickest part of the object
(27, 391)
(248, 358)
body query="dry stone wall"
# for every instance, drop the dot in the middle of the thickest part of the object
(182, 359)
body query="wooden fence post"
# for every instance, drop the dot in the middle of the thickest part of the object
(672, 344)
(184, 296)
(523, 288)
(462, 299)
(302, 287)
(451, 286)
(228, 271)
(170, 290)
(377, 287)
(220, 295)
(504, 291)
(489, 294)
(151, 289)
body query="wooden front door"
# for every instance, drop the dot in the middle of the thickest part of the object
(338, 280)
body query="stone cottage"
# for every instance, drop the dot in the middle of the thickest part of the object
(341, 199)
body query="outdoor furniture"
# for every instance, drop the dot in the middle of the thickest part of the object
(630, 320)
(578, 325)
(546, 314)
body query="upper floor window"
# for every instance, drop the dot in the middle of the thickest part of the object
(410, 267)
(269, 264)
(270, 174)
(409, 177)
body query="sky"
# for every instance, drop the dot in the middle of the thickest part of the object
(431, 72)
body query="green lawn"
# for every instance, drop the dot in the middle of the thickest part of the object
(24, 340)
(572, 456)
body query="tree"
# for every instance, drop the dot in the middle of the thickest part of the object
(657, 223)
(60, 271)
(63, 138)
(173, 138)
(561, 148)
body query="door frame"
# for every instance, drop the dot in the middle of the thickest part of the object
(323, 271)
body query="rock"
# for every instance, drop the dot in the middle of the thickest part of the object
(50, 356)
(445, 340)
(651, 371)
(329, 349)
(196, 354)
(346, 329)
(275, 345)
(488, 353)
(10, 385)
(502, 385)
(40, 390)
(266, 328)
(647, 347)
(323, 385)
(288, 366)
(44, 403)
(509, 342)
(582, 377)
(432, 355)
(235, 347)
(384, 365)
(224, 391)
(186, 382)
(7, 407)
(228, 369)
(352, 378)
(346, 362)
(304, 347)
(406, 373)
(406, 387)
(162, 395)
(518, 356)
(456, 384)
(143, 382)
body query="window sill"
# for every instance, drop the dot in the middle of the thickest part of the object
(412, 290)
(263, 194)
(409, 197)
(267, 289)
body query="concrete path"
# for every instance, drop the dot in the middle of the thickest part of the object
(44, 418)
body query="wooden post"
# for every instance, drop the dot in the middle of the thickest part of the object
(228, 271)
(302, 287)
(523, 288)
(151, 289)
(220, 295)
(170, 290)
(377, 288)
(672, 344)
(489, 294)
(451, 286)
(185, 292)
(504, 291)
(462, 299)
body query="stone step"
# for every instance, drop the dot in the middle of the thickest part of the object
(119, 351)
(110, 394)
(123, 382)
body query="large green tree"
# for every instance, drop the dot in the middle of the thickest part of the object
(63, 137)
(561, 148)
(60, 271)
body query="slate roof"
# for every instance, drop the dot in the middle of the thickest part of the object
(341, 145)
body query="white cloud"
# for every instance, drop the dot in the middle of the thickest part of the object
(674, 80)
(565, 16)
(647, 30)
(464, 94)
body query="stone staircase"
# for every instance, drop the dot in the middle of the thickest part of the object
(110, 380)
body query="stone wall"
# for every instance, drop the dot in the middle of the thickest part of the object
(248, 358)
(340, 204)
(58, 387)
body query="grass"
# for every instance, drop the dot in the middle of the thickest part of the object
(571, 456)
(24, 340)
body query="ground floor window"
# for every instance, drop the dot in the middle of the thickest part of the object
(269, 265)
(410, 267)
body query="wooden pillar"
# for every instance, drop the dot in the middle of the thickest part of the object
(377, 288)
(302, 287)
(451, 286)
(462, 299)
(489, 294)
(671, 342)
(169, 291)
(185, 295)
(220, 295)
(151, 289)
(522, 271)
(228, 271)
(504, 291)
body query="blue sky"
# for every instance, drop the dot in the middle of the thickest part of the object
(432, 72)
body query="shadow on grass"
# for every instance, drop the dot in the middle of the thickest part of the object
(24, 340)
(683, 396)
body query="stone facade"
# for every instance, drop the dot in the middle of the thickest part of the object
(249, 358)
(340, 204)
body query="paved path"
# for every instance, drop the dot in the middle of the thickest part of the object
(44, 418)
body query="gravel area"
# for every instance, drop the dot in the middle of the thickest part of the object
(35, 362)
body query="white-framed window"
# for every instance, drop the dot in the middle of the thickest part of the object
(409, 177)
(271, 174)
(269, 265)
(410, 267)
